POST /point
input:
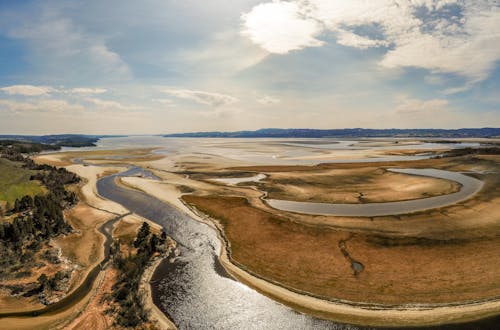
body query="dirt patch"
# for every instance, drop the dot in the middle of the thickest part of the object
(83, 246)
(94, 316)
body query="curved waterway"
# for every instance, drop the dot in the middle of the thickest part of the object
(194, 290)
(469, 186)
(85, 287)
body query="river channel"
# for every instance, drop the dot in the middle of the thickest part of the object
(469, 186)
(194, 290)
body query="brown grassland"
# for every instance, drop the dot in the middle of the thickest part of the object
(437, 256)
(362, 185)
(308, 258)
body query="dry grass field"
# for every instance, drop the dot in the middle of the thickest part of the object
(362, 185)
(438, 256)
(309, 258)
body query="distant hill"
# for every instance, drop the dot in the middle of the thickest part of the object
(348, 133)
(60, 140)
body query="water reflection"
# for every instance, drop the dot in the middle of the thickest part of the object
(193, 290)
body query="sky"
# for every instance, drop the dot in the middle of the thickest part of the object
(166, 66)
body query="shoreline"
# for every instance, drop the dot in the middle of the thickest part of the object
(156, 315)
(381, 209)
(358, 313)
(91, 199)
(52, 316)
(348, 312)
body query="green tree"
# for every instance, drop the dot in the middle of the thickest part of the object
(153, 244)
(43, 281)
(142, 235)
(163, 237)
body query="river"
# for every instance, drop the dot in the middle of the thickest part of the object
(194, 290)
(469, 186)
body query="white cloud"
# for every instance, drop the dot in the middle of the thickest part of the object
(107, 104)
(223, 54)
(220, 113)
(280, 27)
(202, 97)
(27, 90)
(163, 101)
(85, 90)
(442, 36)
(346, 38)
(51, 105)
(459, 89)
(470, 50)
(59, 44)
(268, 100)
(412, 106)
(166, 102)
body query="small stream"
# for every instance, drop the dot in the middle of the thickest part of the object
(469, 187)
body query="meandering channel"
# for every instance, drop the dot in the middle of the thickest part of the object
(85, 287)
(194, 290)
(469, 186)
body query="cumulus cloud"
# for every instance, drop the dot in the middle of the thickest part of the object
(268, 100)
(27, 90)
(203, 97)
(85, 90)
(280, 27)
(442, 36)
(408, 106)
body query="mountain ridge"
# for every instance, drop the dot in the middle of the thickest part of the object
(485, 132)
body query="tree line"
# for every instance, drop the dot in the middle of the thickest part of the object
(35, 219)
(126, 294)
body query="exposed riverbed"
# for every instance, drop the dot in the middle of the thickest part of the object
(469, 186)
